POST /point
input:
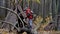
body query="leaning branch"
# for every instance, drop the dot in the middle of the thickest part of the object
(13, 12)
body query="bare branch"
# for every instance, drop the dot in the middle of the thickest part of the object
(9, 23)
(14, 13)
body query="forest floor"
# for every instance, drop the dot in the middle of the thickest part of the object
(2, 31)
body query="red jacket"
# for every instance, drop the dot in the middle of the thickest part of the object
(28, 11)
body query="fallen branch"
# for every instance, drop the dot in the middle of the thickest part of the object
(8, 23)
(14, 13)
